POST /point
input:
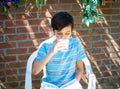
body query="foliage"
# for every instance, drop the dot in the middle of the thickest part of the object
(7, 4)
(90, 11)
(89, 8)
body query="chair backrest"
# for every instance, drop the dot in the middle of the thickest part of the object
(28, 76)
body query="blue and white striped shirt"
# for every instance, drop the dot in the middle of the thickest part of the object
(62, 66)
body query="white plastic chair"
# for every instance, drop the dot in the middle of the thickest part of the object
(28, 76)
(91, 76)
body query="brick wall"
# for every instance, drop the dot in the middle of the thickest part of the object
(20, 35)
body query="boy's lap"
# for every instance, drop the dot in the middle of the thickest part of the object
(74, 84)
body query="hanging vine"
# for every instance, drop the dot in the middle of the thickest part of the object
(90, 11)
(7, 4)
(89, 8)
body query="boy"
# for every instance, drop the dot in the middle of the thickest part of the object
(62, 65)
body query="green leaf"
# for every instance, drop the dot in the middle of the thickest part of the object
(45, 1)
(91, 19)
(90, 12)
(6, 10)
(87, 8)
(37, 3)
(94, 2)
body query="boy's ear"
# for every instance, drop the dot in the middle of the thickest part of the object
(75, 33)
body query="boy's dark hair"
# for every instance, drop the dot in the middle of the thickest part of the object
(61, 20)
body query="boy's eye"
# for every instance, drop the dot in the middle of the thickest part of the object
(67, 33)
(59, 33)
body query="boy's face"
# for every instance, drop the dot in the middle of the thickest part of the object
(65, 33)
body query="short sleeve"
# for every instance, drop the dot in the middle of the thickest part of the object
(80, 51)
(41, 52)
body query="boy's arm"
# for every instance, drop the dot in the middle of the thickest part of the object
(79, 69)
(39, 65)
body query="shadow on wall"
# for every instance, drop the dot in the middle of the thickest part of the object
(101, 46)
(104, 55)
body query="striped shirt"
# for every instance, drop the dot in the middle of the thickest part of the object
(62, 66)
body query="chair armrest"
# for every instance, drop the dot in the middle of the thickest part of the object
(28, 75)
(91, 76)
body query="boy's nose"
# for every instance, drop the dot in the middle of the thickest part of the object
(61, 37)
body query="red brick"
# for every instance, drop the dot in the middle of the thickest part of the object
(1, 53)
(37, 22)
(23, 57)
(52, 1)
(84, 32)
(8, 45)
(11, 71)
(9, 30)
(100, 56)
(8, 59)
(76, 7)
(113, 55)
(115, 30)
(45, 28)
(108, 50)
(1, 38)
(3, 17)
(117, 42)
(61, 7)
(77, 20)
(96, 50)
(107, 74)
(111, 11)
(45, 15)
(96, 63)
(2, 66)
(77, 27)
(113, 23)
(103, 80)
(75, 13)
(15, 78)
(28, 43)
(16, 51)
(27, 29)
(91, 38)
(100, 44)
(26, 16)
(107, 5)
(42, 9)
(38, 35)
(11, 84)
(67, 1)
(1, 24)
(2, 73)
(16, 37)
(107, 18)
(16, 65)
(116, 17)
(20, 9)
(110, 36)
(104, 68)
(16, 23)
(1, 30)
(10, 23)
(8, 72)
(116, 4)
(21, 22)
(115, 67)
